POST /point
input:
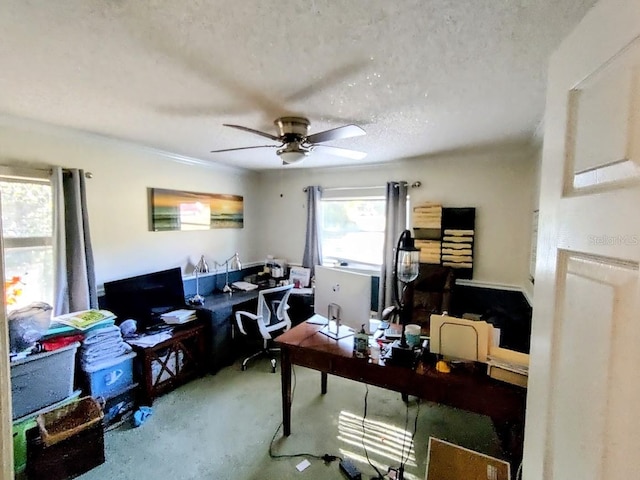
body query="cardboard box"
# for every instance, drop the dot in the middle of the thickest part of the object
(447, 461)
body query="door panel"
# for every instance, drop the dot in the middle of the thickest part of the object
(604, 122)
(589, 292)
(582, 415)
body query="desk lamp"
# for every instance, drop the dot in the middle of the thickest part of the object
(405, 271)
(201, 267)
(235, 264)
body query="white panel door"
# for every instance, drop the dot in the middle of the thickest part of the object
(6, 438)
(583, 405)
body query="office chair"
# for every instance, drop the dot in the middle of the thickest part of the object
(270, 316)
(432, 292)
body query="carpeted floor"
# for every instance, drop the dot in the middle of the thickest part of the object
(220, 427)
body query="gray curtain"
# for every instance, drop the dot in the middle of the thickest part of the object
(74, 271)
(396, 223)
(312, 248)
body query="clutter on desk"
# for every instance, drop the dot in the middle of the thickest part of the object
(244, 286)
(178, 317)
(361, 344)
(149, 340)
(508, 365)
(300, 277)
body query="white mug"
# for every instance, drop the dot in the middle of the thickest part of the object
(412, 334)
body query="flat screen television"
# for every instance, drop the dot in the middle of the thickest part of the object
(350, 290)
(145, 297)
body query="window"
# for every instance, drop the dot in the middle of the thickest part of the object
(27, 231)
(353, 230)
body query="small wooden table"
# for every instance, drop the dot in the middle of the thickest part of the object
(172, 362)
(469, 389)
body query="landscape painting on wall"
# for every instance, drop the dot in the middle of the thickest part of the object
(179, 210)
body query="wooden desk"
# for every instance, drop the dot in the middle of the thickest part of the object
(470, 390)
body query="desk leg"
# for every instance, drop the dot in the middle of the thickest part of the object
(323, 382)
(285, 375)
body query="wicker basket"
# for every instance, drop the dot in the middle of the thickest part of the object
(68, 420)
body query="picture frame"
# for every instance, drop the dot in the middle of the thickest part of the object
(172, 210)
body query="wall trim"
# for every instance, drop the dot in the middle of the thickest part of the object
(10, 121)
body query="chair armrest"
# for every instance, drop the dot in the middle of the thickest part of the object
(240, 314)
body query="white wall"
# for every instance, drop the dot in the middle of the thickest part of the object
(117, 197)
(499, 184)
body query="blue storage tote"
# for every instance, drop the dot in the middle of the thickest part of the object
(40, 380)
(111, 376)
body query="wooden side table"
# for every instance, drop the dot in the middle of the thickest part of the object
(173, 362)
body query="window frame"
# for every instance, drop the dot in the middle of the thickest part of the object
(344, 195)
(32, 176)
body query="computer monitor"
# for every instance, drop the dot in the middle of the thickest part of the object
(349, 290)
(145, 297)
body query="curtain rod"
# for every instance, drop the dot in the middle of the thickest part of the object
(26, 171)
(415, 184)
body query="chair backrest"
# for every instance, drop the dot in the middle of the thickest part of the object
(272, 308)
(432, 292)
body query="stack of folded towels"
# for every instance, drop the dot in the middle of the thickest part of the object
(101, 345)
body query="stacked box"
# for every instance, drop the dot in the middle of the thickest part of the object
(110, 377)
(40, 380)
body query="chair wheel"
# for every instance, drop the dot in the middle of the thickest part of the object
(243, 368)
(273, 366)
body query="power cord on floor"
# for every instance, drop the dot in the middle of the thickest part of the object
(364, 447)
(326, 458)
(403, 461)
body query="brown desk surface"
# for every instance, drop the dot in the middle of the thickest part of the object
(469, 389)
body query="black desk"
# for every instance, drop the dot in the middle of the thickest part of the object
(217, 315)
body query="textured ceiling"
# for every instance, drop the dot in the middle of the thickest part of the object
(420, 77)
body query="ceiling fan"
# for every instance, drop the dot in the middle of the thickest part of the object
(296, 143)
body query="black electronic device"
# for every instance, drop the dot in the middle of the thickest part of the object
(350, 470)
(145, 297)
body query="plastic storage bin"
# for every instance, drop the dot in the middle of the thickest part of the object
(40, 380)
(110, 377)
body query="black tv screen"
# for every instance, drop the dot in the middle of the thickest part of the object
(145, 297)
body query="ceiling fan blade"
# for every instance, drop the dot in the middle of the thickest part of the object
(244, 148)
(340, 152)
(346, 131)
(251, 130)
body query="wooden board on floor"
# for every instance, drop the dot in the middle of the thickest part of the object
(447, 461)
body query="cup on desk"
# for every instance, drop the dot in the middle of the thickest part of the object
(374, 352)
(412, 334)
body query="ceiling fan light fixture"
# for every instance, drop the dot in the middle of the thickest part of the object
(292, 156)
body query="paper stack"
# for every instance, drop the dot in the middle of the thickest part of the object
(508, 366)
(457, 248)
(427, 215)
(178, 317)
(427, 219)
